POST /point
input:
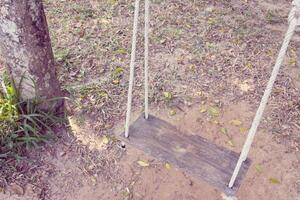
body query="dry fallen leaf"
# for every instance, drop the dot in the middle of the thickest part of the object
(116, 81)
(199, 93)
(203, 109)
(162, 41)
(215, 122)
(117, 72)
(104, 21)
(172, 112)
(249, 66)
(126, 193)
(274, 180)
(94, 180)
(167, 166)
(213, 111)
(105, 139)
(230, 143)
(211, 21)
(192, 68)
(244, 130)
(143, 163)
(180, 150)
(236, 122)
(121, 51)
(292, 61)
(244, 87)
(168, 95)
(224, 130)
(258, 168)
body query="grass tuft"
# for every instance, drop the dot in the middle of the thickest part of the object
(22, 124)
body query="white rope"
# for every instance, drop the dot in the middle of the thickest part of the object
(132, 61)
(293, 22)
(147, 19)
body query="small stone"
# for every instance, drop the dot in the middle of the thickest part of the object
(123, 145)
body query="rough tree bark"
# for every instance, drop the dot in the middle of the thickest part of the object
(25, 48)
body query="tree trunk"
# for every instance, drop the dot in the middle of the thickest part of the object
(25, 48)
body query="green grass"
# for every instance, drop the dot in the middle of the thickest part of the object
(22, 124)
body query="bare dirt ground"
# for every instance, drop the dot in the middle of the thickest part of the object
(205, 55)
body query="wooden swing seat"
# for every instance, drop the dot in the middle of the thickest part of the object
(192, 153)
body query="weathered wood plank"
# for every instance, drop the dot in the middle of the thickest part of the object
(192, 153)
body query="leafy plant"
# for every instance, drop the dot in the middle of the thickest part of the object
(22, 123)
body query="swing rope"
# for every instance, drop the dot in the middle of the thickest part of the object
(132, 61)
(293, 22)
(147, 19)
